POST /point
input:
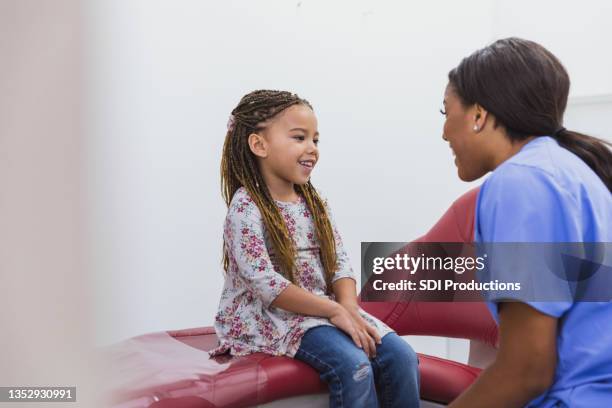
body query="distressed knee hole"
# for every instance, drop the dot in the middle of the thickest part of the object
(362, 370)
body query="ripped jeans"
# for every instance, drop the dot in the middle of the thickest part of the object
(391, 379)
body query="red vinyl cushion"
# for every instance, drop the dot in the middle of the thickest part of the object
(229, 381)
(282, 377)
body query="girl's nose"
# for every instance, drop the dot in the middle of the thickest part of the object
(444, 137)
(312, 146)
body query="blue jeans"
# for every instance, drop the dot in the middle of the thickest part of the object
(391, 379)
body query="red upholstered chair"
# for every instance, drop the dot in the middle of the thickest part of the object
(443, 380)
(172, 370)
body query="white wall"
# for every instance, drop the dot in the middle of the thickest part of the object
(577, 32)
(165, 76)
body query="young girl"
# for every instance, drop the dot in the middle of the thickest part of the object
(504, 108)
(289, 289)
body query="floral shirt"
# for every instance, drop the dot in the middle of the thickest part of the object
(246, 322)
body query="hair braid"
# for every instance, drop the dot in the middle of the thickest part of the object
(325, 233)
(239, 168)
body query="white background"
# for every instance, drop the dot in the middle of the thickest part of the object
(164, 75)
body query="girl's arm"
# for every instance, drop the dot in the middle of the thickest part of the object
(244, 243)
(525, 363)
(346, 295)
(345, 292)
(298, 300)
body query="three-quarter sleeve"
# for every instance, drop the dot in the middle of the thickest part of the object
(245, 245)
(344, 269)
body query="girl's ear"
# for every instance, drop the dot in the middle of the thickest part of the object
(258, 145)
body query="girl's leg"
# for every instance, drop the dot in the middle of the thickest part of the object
(342, 365)
(396, 369)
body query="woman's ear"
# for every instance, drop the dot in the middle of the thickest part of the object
(258, 145)
(480, 117)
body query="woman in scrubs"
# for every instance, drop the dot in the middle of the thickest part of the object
(504, 108)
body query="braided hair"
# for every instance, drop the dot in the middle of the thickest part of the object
(239, 168)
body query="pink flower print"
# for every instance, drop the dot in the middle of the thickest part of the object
(307, 277)
(266, 330)
(297, 336)
(290, 223)
(237, 326)
(244, 326)
(254, 247)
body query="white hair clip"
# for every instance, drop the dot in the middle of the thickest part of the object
(230, 123)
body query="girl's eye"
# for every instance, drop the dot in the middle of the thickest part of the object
(442, 111)
(300, 138)
(316, 141)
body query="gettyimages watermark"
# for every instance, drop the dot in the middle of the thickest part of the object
(455, 272)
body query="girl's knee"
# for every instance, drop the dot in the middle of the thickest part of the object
(399, 350)
(409, 355)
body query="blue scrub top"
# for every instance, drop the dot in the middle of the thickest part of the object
(545, 193)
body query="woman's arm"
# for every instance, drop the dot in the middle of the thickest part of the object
(525, 363)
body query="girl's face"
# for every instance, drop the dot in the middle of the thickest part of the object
(467, 144)
(289, 149)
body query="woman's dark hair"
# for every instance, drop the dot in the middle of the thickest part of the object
(526, 88)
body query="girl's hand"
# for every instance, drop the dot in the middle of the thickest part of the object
(367, 333)
(363, 334)
(346, 296)
(343, 320)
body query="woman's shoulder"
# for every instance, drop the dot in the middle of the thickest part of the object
(543, 163)
(513, 180)
(545, 171)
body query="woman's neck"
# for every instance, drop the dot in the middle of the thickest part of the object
(505, 148)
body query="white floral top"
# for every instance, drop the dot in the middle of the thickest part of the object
(246, 322)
